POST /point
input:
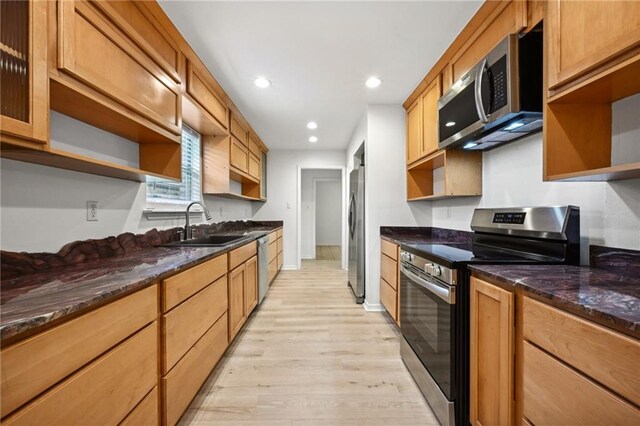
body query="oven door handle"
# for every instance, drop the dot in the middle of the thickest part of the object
(445, 293)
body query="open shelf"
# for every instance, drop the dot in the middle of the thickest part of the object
(445, 174)
(235, 196)
(80, 163)
(578, 126)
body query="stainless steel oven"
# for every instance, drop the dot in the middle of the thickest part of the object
(428, 322)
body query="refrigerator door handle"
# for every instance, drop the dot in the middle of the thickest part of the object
(352, 225)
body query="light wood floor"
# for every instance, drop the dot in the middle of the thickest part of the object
(328, 253)
(310, 356)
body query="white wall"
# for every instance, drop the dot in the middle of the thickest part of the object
(309, 213)
(43, 208)
(512, 176)
(329, 213)
(282, 191)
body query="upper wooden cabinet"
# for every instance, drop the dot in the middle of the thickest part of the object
(24, 92)
(200, 91)
(414, 131)
(430, 118)
(585, 34)
(238, 130)
(100, 52)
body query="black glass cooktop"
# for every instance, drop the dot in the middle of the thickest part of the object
(452, 254)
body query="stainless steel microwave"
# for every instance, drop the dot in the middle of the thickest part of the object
(499, 100)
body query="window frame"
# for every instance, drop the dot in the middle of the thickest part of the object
(159, 204)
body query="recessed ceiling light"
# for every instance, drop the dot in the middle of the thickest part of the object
(262, 82)
(312, 125)
(373, 82)
(313, 139)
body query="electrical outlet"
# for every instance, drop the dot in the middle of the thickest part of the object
(289, 206)
(220, 211)
(92, 211)
(448, 212)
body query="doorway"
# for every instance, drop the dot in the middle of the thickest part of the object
(321, 215)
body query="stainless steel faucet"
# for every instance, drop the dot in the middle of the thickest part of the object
(187, 227)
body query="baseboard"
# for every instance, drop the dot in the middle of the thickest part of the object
(370, 307)
(289, 268)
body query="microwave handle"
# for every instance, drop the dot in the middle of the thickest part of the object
(443, 292)
(478, 92)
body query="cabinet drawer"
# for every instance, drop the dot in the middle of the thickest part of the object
(146, 412)
(280, 260)
(31, 366)
(582, 344)
(97, 53)
(242, 254)
(273, 250)
(390, 249)
(238, 130)
(254, 147)
(555, 394)
(187, 322)
(183, 382)
(104, 391)
(279, 243)
(279, 233)
(389, 271)
(185, 284)
(389, 298)
(273, 237)
(254, 166)
(200, 91)
(238, 155)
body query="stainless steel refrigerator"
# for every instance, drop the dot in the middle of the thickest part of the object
(356, 233)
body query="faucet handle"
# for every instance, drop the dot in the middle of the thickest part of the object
(180, 233)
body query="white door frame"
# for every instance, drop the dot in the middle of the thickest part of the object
(299, 211)
(315, 206)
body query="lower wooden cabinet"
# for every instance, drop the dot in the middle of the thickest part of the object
(390, 279)
(185, 379)
(534, 364)
(276, 253)
(251, 285)
(491, 355)
(243, 287)
(237, 313)
(104, 391)
(33, 365)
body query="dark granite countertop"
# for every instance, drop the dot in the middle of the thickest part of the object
(608, 297)
(411, 235)
(37, 300)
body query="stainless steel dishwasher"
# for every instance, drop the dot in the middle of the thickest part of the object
(263, 267)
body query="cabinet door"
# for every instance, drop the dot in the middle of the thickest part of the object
(254, 166)
(430, 118)
(492, 349)
(238, 130)
(24, 92)
(237, 313)
(239, 155)
(98, 52)
(251, 284)
(199, 90)
(414, 131)
(584, 34)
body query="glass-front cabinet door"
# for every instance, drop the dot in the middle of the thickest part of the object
(24, 81)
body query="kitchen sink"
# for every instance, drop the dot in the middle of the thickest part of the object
(208, 241)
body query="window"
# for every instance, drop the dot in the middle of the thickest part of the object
(163, 191)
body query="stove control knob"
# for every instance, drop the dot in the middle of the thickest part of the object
(407, 257)
(437, 271)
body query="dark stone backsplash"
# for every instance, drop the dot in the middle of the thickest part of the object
(615, 259)
(14, 264)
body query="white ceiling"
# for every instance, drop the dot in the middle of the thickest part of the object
(317, 55)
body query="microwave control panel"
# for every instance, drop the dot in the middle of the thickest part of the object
(498, 75)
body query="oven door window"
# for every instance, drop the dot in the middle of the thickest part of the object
(427, 323)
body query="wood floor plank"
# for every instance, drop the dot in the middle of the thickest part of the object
(309, 355)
